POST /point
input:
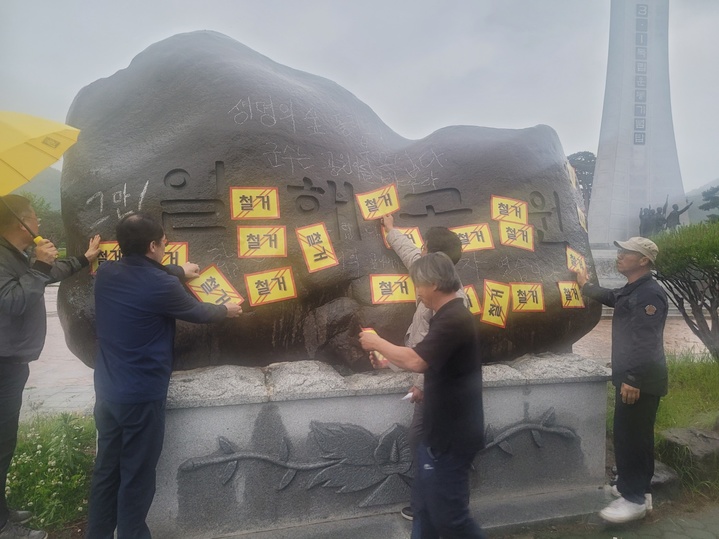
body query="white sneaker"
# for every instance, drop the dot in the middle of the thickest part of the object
(647, 497)
(622, 510)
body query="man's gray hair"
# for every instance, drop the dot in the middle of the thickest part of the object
(435, 269)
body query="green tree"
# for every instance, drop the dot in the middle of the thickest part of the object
(711, 198)
(584, 163)
(52, 226)
(688, 267)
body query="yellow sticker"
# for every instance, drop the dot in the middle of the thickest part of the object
(475, 307)
(571, 295)
(391, 289)
(509, 209)
(582, 218)
(527, 297)
(411, 232)
(213, 287)
(316, 247)
(516, 235)
(378, 203)
(261, 241)
(474, 237)
(575, 261)
(254, 203)
(109, 250)
(496, 303)
(269, 286)
(177, 253)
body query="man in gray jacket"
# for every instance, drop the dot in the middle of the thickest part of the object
(22, 328)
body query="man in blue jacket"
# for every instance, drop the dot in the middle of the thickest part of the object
(137, 300)
(639, 372)
(23, 325)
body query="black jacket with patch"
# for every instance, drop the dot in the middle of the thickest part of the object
(640, 312)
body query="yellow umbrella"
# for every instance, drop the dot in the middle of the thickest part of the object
(28, 145)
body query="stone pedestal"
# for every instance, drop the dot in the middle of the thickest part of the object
(296, 450)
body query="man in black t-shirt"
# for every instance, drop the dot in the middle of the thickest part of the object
(454, 418)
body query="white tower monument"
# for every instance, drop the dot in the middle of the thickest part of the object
(637, 164)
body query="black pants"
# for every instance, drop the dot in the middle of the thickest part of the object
(416, 428)
(634, 445)
(129, 444)
(12, 382)
(440, 496)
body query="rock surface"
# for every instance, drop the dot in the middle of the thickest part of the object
(227, 385)
(692, 450)
(665, 482)
(198, 114)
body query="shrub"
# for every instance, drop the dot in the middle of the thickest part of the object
(688, 267)
(50, 473)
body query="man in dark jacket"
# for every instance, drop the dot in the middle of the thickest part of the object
(453, 415)
(639, 372)
(137, 300)
(23, 326)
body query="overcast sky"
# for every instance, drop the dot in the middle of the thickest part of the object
(420, 64)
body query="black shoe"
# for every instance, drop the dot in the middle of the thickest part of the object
(406, 512)
(19, 517)
(15, 531)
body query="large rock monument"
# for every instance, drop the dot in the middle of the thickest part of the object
(274, 180)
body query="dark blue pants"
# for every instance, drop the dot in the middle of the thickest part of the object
(440, 496)
(634, 445)
(416, 427)
(129, 444)
(13, 377)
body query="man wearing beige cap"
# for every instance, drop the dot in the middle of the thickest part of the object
(639, 372)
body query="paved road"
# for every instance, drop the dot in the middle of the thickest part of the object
(58, 382)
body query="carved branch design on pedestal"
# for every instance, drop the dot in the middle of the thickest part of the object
(544, 424)
(350, 458)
